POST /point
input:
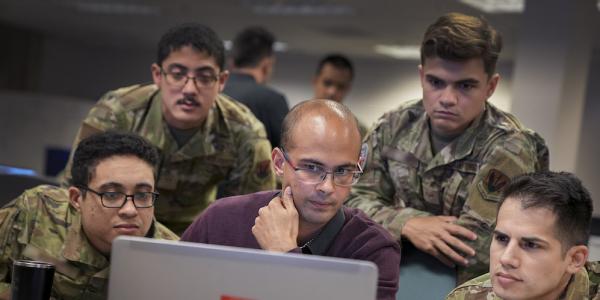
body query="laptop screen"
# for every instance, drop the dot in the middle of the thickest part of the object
(144, 268)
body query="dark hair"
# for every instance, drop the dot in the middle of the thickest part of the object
(324, 107)
(251, 45)
(563, 194)
(460, 37)
(200, 37)
(98, 147)
(337, 60)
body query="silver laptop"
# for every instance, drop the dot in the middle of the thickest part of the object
(144, 268)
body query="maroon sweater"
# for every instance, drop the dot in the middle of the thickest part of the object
(229, 221)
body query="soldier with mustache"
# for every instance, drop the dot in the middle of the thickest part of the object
(206, 140)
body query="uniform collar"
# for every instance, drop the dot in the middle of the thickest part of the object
(204, 143)
(579, 286)
(420, 144)
(77, 248)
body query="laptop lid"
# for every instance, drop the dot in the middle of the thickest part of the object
(143, 268)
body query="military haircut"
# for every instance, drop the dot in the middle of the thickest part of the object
(320, 106)
(198, 36)
(339, 61)
(251, 45)
(459, 37)
(98, 147)
(563, 194)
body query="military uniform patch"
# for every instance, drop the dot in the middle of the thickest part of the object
(495, 181)
(263, 168)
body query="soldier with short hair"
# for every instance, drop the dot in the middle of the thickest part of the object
(205, 139)
(112, 193)
(436, 166)
(539, 248)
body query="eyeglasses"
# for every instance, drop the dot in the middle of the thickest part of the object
(118, 199)
(311, 173)
(179, 80)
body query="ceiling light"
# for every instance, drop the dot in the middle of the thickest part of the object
(497, 6)
(277, 46)
(117, 8)
(399, 52)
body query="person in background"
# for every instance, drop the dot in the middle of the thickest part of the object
(252, 61)
(318, 162)
(436, 166)
(112, 192)
(539, 249)
(333, 80)
(205, 139)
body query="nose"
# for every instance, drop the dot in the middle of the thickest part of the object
(448, 97)
(510, 256)
(331, 92)
(327, 186)
(128, 210)
(190, 86)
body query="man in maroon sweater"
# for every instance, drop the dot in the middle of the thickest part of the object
(319, 160)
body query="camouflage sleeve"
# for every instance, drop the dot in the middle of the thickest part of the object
(479, 288)
(374, 193)
(503, 158)
(14, 231)
(252, 171)
(102, 117)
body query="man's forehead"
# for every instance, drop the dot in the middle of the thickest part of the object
(531, 221)
(185, 55)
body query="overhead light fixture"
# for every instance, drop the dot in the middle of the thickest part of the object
(497, 6)
(299, 8)
(117, 8)
(277, 46)
(399, 52)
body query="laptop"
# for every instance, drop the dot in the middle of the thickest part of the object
(143, 268)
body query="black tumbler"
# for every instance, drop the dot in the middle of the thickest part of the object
(31, 280)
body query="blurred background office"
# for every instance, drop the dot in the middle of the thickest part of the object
(57, 57)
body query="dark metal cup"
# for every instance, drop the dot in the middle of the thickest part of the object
(31, 280)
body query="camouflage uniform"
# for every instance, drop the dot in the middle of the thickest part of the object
(231, 150)
(41, 225)
(403, 179)
(584, 286)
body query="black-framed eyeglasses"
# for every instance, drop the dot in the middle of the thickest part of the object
(179, 79)
(118, 199)
(311, 173)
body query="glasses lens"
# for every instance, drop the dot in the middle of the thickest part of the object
(145, 199)
(112, 199)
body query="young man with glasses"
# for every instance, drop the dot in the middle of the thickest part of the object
(205, 139)
(318, 162)
(112, 193)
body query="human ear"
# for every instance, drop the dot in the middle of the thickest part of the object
(577, 257)
(75, 197)
(278, 161)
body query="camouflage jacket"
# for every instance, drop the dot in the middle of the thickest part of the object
(42, 225)
(230, 151)
(403, 179)
(583, 286)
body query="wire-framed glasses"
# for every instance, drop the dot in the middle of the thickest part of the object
(311, 173)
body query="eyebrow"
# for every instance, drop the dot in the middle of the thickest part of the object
(466, 80)
(524, 239)
(200, 69)
(316, 162)
(117, 185)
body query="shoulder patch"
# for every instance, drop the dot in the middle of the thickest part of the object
(495, 181)
(492, 185)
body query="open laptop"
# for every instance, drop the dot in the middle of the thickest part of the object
(143, 268)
